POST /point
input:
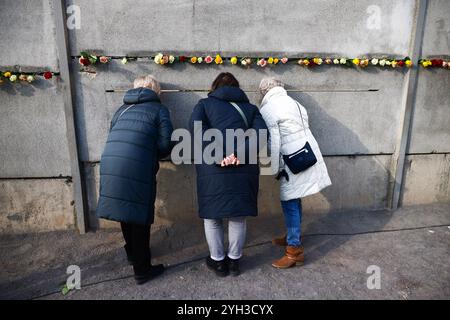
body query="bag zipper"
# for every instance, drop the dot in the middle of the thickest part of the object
(298, 152)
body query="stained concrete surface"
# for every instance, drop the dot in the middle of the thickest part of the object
(411, 246)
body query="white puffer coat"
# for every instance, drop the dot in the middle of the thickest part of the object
(287, 135)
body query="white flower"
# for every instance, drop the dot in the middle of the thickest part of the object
(171, 59)
(158, 58)
(374, 61)
(388, 63)
(199, 60)
(30, 78)
(343, 61)
(243, 62)
(124, 60)
(382, 62)
(336, 61)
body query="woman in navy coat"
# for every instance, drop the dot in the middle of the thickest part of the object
(139, 136)
(230, 189)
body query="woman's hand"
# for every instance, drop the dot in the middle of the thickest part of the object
(230, 160)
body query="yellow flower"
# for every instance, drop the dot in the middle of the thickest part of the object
(193, 59)
(7, 74)
(318, 61)
(218, 59)
(270, 60)
(306, 62)
(276, 60)
(233, 60)
(408, 63)
(356, 61)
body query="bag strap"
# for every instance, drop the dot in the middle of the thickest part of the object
(124, 112)
(235, 105)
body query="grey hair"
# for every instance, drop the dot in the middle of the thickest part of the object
(148, 81)
(268, 83)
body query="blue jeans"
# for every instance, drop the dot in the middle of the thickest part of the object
(292, 210)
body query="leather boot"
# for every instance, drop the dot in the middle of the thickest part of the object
(292, 256)
(282, 241)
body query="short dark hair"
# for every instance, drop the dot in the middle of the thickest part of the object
(224, 79)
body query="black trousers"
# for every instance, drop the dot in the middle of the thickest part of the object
(137, 246)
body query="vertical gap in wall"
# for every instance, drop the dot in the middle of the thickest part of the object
(66, 85)
(397, 171)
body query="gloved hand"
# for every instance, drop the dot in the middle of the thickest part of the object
(281, 174)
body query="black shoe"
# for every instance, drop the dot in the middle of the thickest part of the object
(219, 267)
(233, 266)
(149, 275)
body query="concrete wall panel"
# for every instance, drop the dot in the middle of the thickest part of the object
(35, 205)
(427, 179)
(33, 131)
(343, 27)
(27, 35)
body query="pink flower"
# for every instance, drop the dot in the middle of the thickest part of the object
(209, 59)
(104, 59)
(262, 63)
(284, 60)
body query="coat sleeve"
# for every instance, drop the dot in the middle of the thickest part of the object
(165, 130)
(274, 143)
(198, 115)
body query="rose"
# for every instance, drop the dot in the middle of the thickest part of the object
(182, 58)
(284, 60)
(124, 60)
(328, 61)
(13, 78)
(199, 60)
(394, 64)
(48, 75)
(208, 59)
(408, 63)
(336, 61)
(306, 62)
(30, 78)
(318, 61)
(193, 59)
(374, 61)
(436, 62)
(364, 63)
(233, 60)
(343, 61)
(445, 64)
(23, 77)
(158, 58)
(382, 62)
(270, 60)
(356, 61)
(165, 59)
(388, 62)
(276, 60)
(401, 63)
(7, 74)
(262, 62)
(171, 59)
(218, 59)
(104, 59)
(84, 61)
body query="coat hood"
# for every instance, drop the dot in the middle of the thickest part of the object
(227, 93)
(140, 95)
(274, 92)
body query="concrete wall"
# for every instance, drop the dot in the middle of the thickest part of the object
(356, 116)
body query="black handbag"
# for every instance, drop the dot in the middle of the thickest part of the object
(301, 159)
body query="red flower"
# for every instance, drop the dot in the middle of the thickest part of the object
(436, 62)
(182, 58)
(401, 63)
(48, 75)
(84, 61)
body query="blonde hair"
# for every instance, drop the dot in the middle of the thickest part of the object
(148, 81)
(268, 83)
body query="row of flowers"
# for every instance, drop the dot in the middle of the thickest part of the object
(10, 76)
(87, 59)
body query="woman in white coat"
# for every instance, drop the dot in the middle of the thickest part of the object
(287, 121)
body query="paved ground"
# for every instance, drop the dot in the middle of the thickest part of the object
(411, 246)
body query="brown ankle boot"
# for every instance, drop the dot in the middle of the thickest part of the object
(292, 256)
(282, 241)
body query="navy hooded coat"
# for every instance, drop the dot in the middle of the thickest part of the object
(225, 192)
(139, 136)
